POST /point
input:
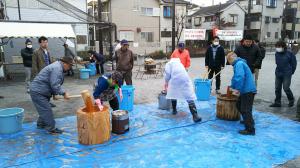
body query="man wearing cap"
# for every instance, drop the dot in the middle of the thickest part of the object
(183, 55)
(45, 85)
(124, 59)
(26, 54)
(69, 53)
(249, 52)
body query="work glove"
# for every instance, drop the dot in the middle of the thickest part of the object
(99, 104)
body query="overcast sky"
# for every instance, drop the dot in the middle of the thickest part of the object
(207, 2)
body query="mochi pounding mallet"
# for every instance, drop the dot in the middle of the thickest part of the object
(88, 100)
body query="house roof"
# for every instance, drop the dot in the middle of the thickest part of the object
(212, 10)
(177, 1)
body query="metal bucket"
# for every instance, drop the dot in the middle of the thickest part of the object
(163, 103)
(120, 121)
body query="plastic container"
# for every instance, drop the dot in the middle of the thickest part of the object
(85, 73)
(128, 98)
(92, 67)
(163, 103)
(202, 89)
(11, 120)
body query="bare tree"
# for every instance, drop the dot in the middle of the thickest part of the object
(180, 24)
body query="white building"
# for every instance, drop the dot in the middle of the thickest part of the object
(265, 19)
(232, 17)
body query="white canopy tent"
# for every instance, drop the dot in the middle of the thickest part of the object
(21, 30)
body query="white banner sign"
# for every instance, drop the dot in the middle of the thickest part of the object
(194, 34)
(230, 35)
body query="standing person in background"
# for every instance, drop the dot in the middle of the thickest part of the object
(286, 66)
(263, 54)
(98, 59)
(41, 56)
(69, 53)
(249, 52)
(26, 54)
(183, 55)
(295, 48)
(124, 59)
(215, 61)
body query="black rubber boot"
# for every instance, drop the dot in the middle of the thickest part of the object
(174, 105)
(193, 110)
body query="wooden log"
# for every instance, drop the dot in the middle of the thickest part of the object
(226, 108)
(88, 100)
(93, 127)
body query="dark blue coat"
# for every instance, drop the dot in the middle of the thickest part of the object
(286, 63)
(219, 60)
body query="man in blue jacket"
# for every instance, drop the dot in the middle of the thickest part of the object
(243, 82)
(286, 66)
(46, 84)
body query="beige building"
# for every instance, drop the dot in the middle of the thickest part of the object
(146, 24)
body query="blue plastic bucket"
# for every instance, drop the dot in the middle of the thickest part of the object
(11, 120)
(84, 73)
(92, 67)
(128, 98)
(202, 89)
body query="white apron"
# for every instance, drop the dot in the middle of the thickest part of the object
(180, 85)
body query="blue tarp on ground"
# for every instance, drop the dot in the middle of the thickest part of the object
(159, 139)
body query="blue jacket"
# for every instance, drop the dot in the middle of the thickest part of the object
(242, 79)
(103, 84)
(286, 63)
(48, 82)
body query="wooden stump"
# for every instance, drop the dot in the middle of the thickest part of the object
(226, 108)
(93, 127)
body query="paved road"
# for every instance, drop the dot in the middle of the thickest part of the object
(147, 91)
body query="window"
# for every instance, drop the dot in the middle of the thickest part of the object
(268, 34)
(276, 35)
(81, 39)
(127, 34)
(275, 20)
(297, 20)
(136, 5)
(298, 35)
(209, 19)
(267, 19)
(254, 18)
(147, 36)
(233, 19)
(147, 11)
(189, 20)
(197, 21)
(272, 3)
(167, 11)
(166, 34)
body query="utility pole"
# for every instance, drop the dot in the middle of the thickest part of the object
(219, 16)
(19, 9)
(248, 15)
(284, 20)
(173, 25)
(99, 30)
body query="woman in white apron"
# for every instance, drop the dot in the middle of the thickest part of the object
(179, 86)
